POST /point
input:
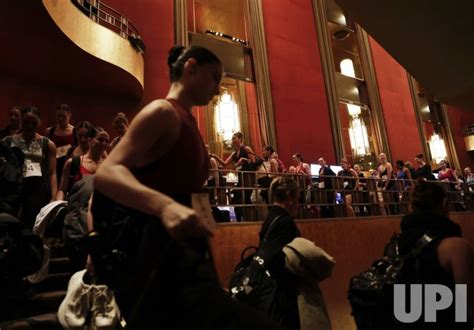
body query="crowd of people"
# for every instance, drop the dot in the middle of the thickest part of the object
(144, 192)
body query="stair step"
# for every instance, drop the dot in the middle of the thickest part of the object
(45, 302)
(53, 282)
(59, 265)
(43, 321)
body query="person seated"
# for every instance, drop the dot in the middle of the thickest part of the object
(282, 229)
(449, 261)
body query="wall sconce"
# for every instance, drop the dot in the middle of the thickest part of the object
(358, 137)
(227, 117)
(437, 148)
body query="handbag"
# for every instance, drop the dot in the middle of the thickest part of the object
(253, 285)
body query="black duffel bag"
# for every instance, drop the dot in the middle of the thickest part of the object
(253, 285)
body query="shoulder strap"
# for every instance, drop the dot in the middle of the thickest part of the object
(421, 244)
(265, 238)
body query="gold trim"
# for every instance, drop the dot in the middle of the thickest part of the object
(181, 23)
(449, 138)
(262, 72)
(419, 121)
(96, 39)
(373, 90)
(327, 64)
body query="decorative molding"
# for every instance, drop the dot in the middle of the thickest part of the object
(446, 131)
(262, 72)
(419, 121)
(181, 23)
(373, 90)
(327, 64)
(449, 140)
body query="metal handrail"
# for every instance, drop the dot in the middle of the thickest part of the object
(369, 200)
(110, 18)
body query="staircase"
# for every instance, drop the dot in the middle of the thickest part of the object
(39, 311)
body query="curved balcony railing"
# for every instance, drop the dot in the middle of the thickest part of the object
(105, 15)
(243, 196)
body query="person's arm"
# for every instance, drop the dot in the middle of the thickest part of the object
(456, 256)
(64, 185)
(46, 131)
(389, 175)
(215, 171)
(408, 175)
(251, 154)
(53, 180)
(154, 128)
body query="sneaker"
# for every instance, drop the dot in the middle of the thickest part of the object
(73, 310)
(105, 311)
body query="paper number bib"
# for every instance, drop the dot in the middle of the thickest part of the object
(31, 169)
(62, 151)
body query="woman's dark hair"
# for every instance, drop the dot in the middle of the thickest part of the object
(84, 124)
(94, 130)
(299, 157)
(427, 196)
(420, 156)
(64, 107)
(178, 55)
(238, 135)
(32, 110)
(400, 163)
(283, 189)
(269, 148)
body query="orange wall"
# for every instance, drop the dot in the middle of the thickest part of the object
(297, 82)
(459, 119)
(354, 243)
(399, 114)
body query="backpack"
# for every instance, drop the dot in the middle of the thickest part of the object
(253, 285)
(371, 292)
(11, 178)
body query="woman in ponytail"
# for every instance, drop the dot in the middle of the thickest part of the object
(148, 171)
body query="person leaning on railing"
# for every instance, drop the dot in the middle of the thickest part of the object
(349, 183)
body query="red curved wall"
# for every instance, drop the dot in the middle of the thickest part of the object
(297, 82)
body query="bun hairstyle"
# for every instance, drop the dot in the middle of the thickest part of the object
(283, 189)
(120, 118)
(427, 196)
(178, 55)
(33, 110)
(94, 130)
